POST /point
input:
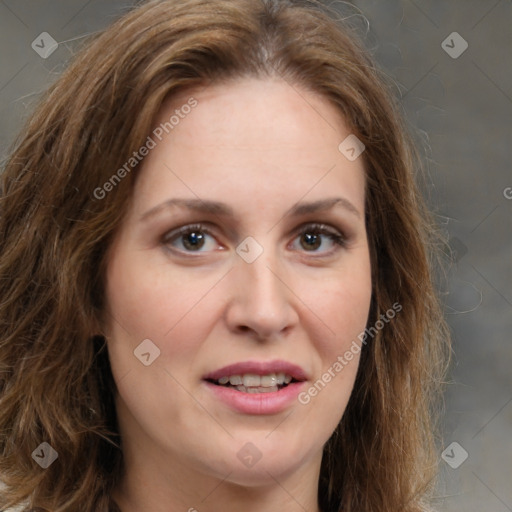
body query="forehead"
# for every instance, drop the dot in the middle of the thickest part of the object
(252, 113)
(249, 136)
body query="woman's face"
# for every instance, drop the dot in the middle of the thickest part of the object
(271, 274)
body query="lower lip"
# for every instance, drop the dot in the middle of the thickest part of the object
(272, 402)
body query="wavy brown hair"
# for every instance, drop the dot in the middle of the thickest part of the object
(55, 379)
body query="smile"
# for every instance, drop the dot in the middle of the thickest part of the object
(253, 383)
(257, 387)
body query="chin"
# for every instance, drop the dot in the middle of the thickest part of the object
(260, 462)
(262, 474)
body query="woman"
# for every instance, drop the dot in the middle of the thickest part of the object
(216, 285)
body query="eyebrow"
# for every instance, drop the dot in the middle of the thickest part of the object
(222, 209)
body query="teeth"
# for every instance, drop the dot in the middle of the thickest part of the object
(259, 389)
(269, 380)
(251, 380)
(235, 380)
(263, 389)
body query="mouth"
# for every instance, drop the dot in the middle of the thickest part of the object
(257, 387)
(257, 377)
(253, 383)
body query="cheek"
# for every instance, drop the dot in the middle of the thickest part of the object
(343, 303)
(146, 296)
(147, 300)
(145, 304)
(344, 307)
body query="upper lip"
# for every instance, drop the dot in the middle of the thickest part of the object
(259, 368)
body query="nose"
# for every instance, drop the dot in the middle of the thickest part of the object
(262, 301)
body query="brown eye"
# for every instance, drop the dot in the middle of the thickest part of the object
(319, 236)
(311, 241)
(191, 238)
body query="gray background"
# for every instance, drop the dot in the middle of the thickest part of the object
(460, 110)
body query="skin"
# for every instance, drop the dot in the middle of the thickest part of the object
(259, 146)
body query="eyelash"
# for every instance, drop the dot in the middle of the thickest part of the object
(311, 228)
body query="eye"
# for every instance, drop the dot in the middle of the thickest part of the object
(315, 236)
(199, 239)
(191, 238)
